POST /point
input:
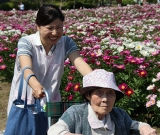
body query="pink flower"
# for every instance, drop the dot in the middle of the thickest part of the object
(1, 60)
(98, 63)
(151, 97)
(93, 54)
(119, 66)
(67, 62)
(5, 48)
(70, 97)
(70, 84)
(12, 56)
(3, 67)
(97, 47)
(85, 59)
(155, 53)
(150, 103)
(106, 58)
(70, 77)
(125, 52)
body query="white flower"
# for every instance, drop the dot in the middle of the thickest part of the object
(144, 53)
(105, 39)
(113, 46)
(101, 33)
(120, 48)
(151, 87)
(158, 75)
(139, 46)
(158, 103)
(154, 80)
(131, 45)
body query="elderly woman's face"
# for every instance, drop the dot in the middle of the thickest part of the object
(102, 101)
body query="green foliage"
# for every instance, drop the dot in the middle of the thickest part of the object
(152, 1)
(78, 4)
(125, 2)
(7, 6)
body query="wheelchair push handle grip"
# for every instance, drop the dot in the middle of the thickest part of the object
(47, 96)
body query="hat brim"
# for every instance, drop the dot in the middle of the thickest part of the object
(84, 91)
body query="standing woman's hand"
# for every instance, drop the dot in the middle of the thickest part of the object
(33, 82)
(38, 92)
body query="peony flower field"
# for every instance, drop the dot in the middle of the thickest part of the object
(123, 40)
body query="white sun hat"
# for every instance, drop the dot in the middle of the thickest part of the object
(100, 78)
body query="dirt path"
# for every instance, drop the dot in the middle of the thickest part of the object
(4, 93)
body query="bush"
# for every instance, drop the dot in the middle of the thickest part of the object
(126, 2)
(7, 6)
(70, 5)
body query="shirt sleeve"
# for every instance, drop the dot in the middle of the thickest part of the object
(70, 46)
(59, 128)
(24, 47)
(136, 124)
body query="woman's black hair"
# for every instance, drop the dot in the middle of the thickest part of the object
(89, 94)
(85, 98)
(47, 14)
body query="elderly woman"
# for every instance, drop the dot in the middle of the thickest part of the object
(98, 116)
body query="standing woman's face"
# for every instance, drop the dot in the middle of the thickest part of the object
(51, 33)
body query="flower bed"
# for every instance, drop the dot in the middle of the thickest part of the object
(124, 40)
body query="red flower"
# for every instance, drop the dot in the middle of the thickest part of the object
(142, 73)
(77, 87)
(92, 60)
(68, 88)
(123, 87)
(129, 92)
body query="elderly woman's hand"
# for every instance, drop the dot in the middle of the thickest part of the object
(147, 130)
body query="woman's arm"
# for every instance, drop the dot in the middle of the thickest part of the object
(33, 82)
(60, 128)
(79, 63)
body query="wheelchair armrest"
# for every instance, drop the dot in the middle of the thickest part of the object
(134, 132)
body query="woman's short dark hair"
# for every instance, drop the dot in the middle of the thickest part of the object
(87, 94)
(47, 14)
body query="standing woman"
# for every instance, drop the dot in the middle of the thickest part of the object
(45, 52)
